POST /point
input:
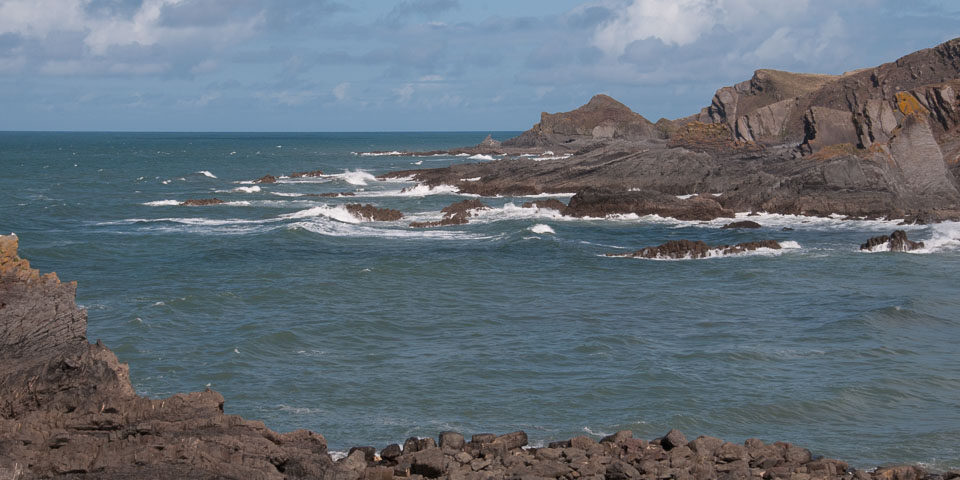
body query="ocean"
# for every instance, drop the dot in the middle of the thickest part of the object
(304, 317)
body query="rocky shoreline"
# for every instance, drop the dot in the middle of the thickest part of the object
(68, 410)
(880, 142)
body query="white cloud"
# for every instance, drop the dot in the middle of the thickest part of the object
(682, 22)
(405, 92)
(341, 91)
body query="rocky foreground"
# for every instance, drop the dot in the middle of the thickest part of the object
(881, 142)
(67, 410)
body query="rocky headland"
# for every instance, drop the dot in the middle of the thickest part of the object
(68, 410)
(880, 142)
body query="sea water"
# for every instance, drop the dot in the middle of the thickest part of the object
(304, 316)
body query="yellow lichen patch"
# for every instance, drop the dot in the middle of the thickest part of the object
(909, 105)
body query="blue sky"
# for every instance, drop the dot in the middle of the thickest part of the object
(368, 65)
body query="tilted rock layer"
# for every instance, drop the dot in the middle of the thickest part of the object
(877, 142)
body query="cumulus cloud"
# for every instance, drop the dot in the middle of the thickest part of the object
(341, 91)
(682, 22)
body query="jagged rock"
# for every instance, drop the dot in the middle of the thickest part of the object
(373, 214)
(682, 249)
(743, 224)
(896, 242)
(266, 179)
(200, 202)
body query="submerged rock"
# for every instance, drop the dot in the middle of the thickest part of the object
(266, 179)
(896, 242)
(201, 202)
(683, 249)
(374, 214)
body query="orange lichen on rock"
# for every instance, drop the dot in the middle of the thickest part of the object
(709, 137)
(909, 105)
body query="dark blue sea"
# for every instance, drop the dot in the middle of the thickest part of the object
(305, 317)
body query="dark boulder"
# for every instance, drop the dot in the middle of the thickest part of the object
(599, 203)
(454, 214)
(743, 224)
(673, 439)
(266, 179)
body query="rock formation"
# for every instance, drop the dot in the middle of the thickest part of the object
(896, 242)
(687, 249)
(742, 224)
(266, 179)
(878, 142)
(371, 213)
(313, 174)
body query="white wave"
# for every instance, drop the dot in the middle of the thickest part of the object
(407, 179)
(162, 203)
(542, 229)
(944, 236)
(253, 189)
(511, 211)
(206, 173)
(241, 203)
(474, 179)
(717, 194)
(380, 154)
(596, 434)
(325, 227)
(357, 177)
(336, 455)
(546, 195)
(418, 162)
(285, 194)
(462, 155)
(481, 157)
(684, 197)
(339, 213)
(547, 153)
(419, 190)
(165, 182)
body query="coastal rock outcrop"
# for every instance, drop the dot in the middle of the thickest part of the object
(895, 242)
(266, 179)
(882, 142)
(309, 174)
(689, 249)
(595, 202)
(372, 213)
(741, 224)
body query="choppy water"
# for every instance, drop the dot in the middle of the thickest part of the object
(370, 333)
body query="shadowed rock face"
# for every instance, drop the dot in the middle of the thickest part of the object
(373, 214)
(201, 202)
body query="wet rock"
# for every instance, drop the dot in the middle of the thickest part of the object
(673, 439)
(201, 202)
(896, 242)
(266, 179)
(743, 224)
(374, 214)
(391, 452)
(369, 453)
(428, 462)
(687, 249)
(599, 203)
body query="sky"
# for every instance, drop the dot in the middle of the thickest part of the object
(418, 65)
